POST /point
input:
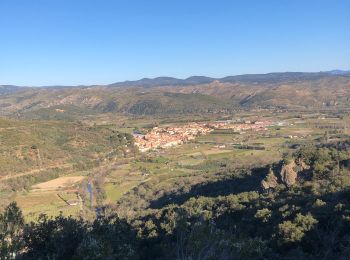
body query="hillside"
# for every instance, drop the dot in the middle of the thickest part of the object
(71, 103)
(325, 90)
(7, 89)
(229, 215)
(36, 151)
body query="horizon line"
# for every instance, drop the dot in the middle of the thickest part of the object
(152, 78)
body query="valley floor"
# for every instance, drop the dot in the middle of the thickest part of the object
(118, 175)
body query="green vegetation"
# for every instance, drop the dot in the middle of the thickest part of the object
(278, 193)
(37, 151)
(225, 216)
(29, 145)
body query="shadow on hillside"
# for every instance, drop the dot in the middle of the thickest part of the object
(248, 182)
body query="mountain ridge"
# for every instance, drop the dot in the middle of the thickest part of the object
(271, 77)
(197, 94)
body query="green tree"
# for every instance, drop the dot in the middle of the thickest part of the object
(11, 227)
(263, 214)
(295, 231)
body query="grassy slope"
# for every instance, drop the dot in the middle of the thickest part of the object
(57, 143)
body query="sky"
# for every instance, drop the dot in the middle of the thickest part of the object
(83, 42)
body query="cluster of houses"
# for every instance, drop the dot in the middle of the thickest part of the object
(171, 136)
(247, 125)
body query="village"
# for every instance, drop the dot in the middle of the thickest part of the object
(167, 137)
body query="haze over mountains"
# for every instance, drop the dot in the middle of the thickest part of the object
(246, 78)
(196, 80)
(197, 94)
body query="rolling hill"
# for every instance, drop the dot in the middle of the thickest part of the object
(7, 89)
(165, 95)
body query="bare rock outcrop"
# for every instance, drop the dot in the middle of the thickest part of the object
(270, 181)
(288, 175)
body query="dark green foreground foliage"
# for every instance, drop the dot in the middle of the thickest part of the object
(308, 220)
(65, 238)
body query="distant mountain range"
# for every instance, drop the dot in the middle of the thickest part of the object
(247, 78)
(7, 89)
(198, 80)
(197, 94)
(339, 72)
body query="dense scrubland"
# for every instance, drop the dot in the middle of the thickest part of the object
(231, 214)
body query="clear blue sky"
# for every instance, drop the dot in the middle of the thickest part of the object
(49, 42)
